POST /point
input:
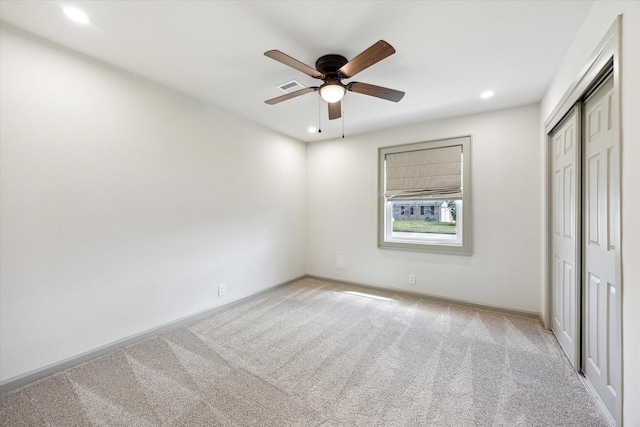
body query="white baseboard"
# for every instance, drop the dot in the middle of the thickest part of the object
(38, 374)
(434, 297)
(60, 366)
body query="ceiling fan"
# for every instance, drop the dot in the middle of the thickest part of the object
(331, 69)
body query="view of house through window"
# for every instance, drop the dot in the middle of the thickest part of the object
(434, 217)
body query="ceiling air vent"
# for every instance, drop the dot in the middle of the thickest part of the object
(291, 86)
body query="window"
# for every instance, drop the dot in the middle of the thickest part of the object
(435, 177)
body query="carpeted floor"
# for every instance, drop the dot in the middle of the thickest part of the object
(316, 353)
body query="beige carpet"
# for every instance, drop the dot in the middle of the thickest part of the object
(320, 354)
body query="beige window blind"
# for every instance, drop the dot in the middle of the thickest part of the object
(434, 173)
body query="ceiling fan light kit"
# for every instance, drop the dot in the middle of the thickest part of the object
(331, 69)
(332, 91)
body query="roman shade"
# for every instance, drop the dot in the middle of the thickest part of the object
(434, 173)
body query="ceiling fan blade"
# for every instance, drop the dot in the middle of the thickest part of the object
(290, 95)
(294, 63)
(376, 53)
(335, 110)
(377, 91)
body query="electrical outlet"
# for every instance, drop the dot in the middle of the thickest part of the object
(221, 290)
(412, 279)
(341, 260)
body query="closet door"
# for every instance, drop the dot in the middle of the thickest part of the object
(565, 200)
(600, 210)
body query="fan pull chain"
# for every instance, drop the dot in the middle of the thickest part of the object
(319, 107)
(342, 124)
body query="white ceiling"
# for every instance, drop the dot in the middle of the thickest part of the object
(448, 52)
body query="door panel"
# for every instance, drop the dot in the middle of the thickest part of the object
(565, 240)
(593, 168)
(601, 200)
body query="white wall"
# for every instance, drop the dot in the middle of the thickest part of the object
(124, 204)
(503, 270)
(599, 20)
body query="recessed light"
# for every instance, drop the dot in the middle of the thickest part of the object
(312, 129)
(76, 15)
(486, 94)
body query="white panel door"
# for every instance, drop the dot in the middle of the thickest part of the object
(565, 200)
(601, 362)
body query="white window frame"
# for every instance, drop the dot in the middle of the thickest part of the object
(458, 244)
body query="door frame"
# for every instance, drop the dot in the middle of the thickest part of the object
(605, 59)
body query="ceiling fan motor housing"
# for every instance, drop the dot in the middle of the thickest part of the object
(329, 66)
